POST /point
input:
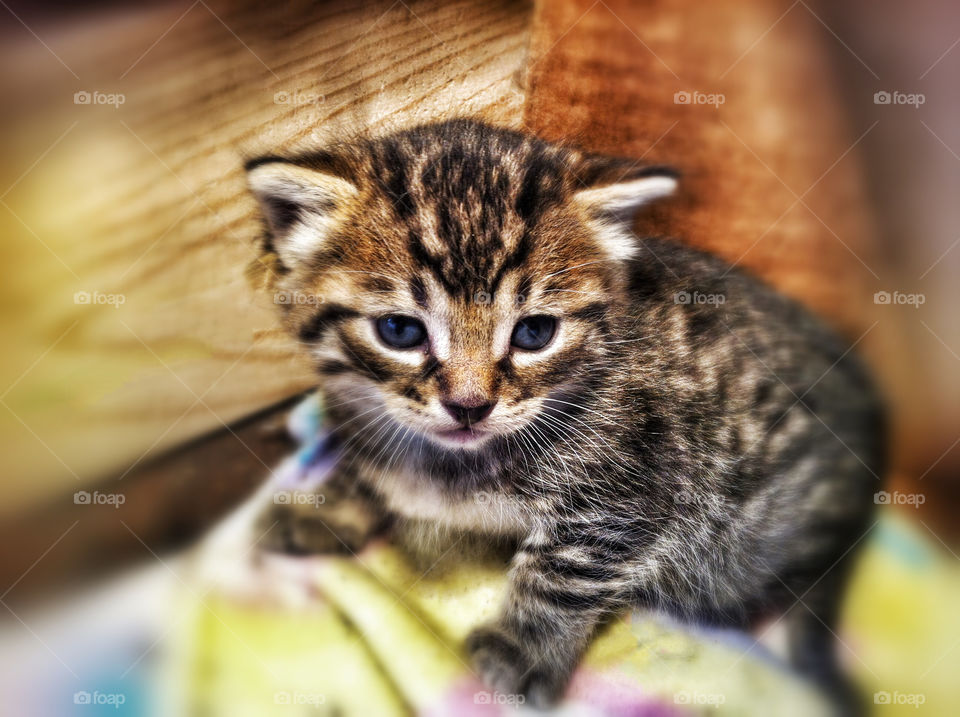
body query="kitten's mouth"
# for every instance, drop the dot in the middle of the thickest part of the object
(464, 436)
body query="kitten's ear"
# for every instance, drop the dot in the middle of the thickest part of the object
(623, 198)
(300, 205)
(612, 205)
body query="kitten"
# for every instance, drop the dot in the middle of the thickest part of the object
(501, 356)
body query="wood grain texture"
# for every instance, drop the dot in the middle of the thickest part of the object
(146, 201)
(771, 179)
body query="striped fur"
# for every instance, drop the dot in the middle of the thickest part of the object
(712, 455)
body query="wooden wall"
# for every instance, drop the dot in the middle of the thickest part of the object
(145, 200)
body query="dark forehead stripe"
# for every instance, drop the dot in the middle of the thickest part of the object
(542, 185)
(426, 260)
(515, 260)
(464, 275)
(390, 172)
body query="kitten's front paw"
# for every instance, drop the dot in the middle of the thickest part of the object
(499, 661)
(295, 530)
(507, 667)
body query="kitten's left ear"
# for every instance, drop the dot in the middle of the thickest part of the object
(612, 206)
(623, 198)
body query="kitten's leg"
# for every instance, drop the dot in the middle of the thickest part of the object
(557, 595)
(813, 645)
(340, 519)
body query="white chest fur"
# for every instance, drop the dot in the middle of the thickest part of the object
(417, 497)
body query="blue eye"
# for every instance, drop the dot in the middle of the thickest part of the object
(533, 332)
(401, 332)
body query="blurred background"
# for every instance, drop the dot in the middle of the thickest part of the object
(145, 383)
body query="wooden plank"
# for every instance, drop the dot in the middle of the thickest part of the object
(142, 205)
(738, 96)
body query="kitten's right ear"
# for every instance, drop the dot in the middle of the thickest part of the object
(300, 205)
(613, 197)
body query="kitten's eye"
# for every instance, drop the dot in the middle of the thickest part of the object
(401, 332)
(533, 332)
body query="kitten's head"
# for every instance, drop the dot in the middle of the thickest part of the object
(458, 275)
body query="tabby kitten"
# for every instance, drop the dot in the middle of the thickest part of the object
(501, 356)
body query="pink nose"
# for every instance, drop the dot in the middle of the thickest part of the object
(469, 413)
